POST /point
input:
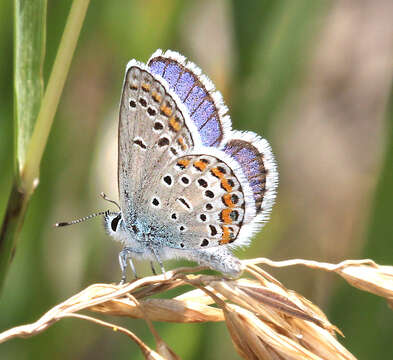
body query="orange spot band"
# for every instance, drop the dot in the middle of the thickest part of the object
(166, 110)
(156, 96)
(200, 165)
(226, 216)
(226, 235)
(183, 146)
(217, 173)
(228, 200)
(146, 87)
(183, 163)
(174, 124)
(225, 184)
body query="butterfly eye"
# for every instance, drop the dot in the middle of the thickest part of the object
(115, 222)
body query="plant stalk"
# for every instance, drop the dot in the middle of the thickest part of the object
(27, 180)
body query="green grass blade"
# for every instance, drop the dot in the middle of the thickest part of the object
(29, 53)
(39, 138)
(36, 121)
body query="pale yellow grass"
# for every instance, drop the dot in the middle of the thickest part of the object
(265, 320)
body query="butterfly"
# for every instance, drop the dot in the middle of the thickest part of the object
(189, 186)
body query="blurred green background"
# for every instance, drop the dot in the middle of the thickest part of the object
(313, 77)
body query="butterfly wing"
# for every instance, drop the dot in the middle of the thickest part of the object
(181, 193)
(216, 197)
(205, 198)
(255, 157)
(152, 132)
(203, 102)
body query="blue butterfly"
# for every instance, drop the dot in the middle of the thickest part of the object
(189, 186)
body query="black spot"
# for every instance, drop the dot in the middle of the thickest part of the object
(209, 194)
(115, 222)
(163, 141)
(209, 206)
(168, 179)
(143, 102)
(185, 203)
(182, 245)
(205, 242)
(221, 169)
(213, 230)
(151, 112)
(174, 216)
(202, 182)
(155, 202)
(135, 229)
(182, 228)
(158, 126)
(185, 180)
(173, 150)
(140, 143)
(234, 215)
(132, 103)
(205, 161)
(203, 217)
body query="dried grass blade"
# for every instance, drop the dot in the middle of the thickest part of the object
(168, 310)
(158, 288)
(197, 295)
(289, 307)
(255, 339)
(377, 280)
(320, 341)
(363, 274)
(237, 296)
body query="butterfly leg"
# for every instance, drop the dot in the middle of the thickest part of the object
(152, 268)
(125, 255)
(155, 253)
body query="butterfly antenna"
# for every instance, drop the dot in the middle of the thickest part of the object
(77, 221)
(103, 195)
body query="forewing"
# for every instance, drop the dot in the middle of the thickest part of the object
(203, 102)
(152, 133)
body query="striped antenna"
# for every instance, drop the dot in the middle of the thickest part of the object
(77, 221)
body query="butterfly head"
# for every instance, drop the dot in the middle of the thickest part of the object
(114, 225)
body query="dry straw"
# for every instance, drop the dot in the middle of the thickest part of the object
(264, 319)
